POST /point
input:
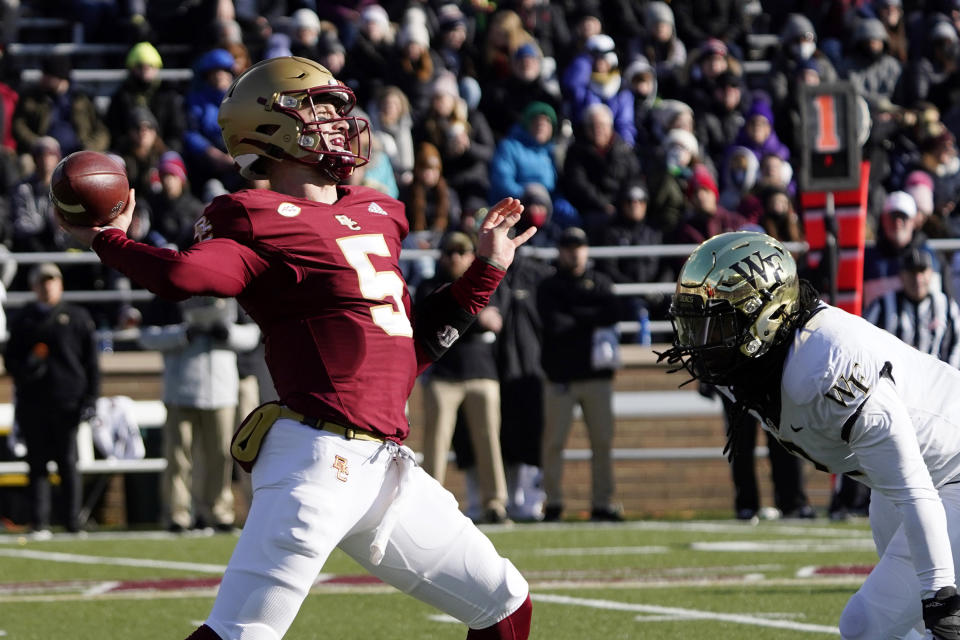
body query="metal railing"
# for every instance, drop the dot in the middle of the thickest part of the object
(658, 327)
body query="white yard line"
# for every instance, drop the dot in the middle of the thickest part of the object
(101, 588)
(784, 546)
(790, 527)
(690, 614)
(600, 551)
(55, 556)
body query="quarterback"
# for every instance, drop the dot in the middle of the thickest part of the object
(850, 398)
(315, 264)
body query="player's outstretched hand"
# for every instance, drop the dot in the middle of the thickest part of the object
(85, 235)
(494, 242)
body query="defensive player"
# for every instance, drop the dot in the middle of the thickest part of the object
(315, 263)
(847, 396)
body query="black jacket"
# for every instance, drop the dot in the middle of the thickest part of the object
(52, 356)
(520, 339)
(571, 308)
(592, 179)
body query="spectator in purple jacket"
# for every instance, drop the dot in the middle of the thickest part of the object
(758, 134)
(601, 83)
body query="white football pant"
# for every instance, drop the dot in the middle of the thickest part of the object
(887, 605)
(313, 491)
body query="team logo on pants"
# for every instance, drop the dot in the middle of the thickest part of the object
(340, 464)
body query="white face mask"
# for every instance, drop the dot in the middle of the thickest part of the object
(804, 50)
(949, 168)
(677, 157)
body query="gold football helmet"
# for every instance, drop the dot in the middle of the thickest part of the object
(261, 116)
(736, 296)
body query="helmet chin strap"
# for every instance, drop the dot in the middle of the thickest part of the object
(337, 168)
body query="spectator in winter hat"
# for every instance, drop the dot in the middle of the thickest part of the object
(603, 85)
(873, 72)
(758, 133)
(718, 124)
(798, 43)
(704, 217)
(710, 61)
(934, 223)
(305, 31)
(141, 149)
(204, 148)
(890, 13)
(525, 155)
(897, 234)
(144, 87)
(661, 46)
(739, 178)
(453, 44)
(931, 75)
(504, 99)
(413, 67)
(631, 227)
(52, 107)
(368, 57)
(538, 212)
(32, 222)
(174, 208)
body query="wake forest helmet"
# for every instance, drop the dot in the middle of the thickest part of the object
(262, 116)
(736, 298)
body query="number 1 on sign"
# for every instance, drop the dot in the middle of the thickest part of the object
(828, 139)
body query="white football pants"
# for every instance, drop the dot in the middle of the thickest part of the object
(887, 605)
(313, 491)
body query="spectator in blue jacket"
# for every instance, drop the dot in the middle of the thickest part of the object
(204, 149)
(526, 154)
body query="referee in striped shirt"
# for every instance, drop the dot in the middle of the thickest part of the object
(920, 314)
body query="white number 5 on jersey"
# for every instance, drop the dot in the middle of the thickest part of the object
(377, 285)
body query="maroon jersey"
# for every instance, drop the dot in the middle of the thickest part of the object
(323, 282)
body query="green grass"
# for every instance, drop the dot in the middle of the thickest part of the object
(641, 580)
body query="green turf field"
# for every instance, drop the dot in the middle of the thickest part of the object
(720, 580)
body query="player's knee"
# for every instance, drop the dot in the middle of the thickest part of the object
(854, 620)
(515, 626)
(203, 633)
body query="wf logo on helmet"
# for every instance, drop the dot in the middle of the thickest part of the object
(768, 268)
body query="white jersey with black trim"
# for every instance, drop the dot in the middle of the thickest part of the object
(838, 361)
(855, 399)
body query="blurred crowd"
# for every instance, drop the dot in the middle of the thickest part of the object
(636, 121)
(617, 123)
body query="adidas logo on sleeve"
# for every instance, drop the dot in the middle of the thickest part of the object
(375, 208)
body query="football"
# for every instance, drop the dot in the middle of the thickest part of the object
(89, 188)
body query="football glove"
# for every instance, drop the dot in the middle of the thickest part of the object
(941, 614)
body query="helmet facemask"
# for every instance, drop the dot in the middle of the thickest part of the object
(737, 298)
(355, 151)
(711, 337)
